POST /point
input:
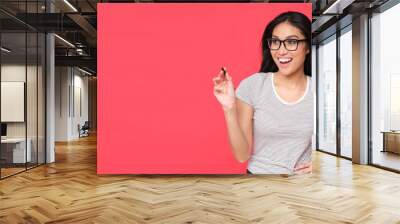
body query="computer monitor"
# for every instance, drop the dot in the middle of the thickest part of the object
(3, 129)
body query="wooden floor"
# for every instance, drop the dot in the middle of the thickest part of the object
(69, 191)
(388, 159)
(5, 172)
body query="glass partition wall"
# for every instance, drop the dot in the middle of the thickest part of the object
(326, 60)
(334, 84)
(22, 88)
(385, 90)
(334, 89)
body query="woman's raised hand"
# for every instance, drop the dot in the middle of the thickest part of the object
(303, 168)
(224, 90)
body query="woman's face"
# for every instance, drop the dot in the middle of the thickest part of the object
(289, 62)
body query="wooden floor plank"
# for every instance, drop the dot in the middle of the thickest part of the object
(70, 191)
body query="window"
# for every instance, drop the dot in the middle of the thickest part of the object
(385, 89)
(327, 95)
(346, 92)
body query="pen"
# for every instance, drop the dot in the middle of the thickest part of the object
(222, 68)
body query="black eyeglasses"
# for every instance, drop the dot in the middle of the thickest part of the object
(290, 44)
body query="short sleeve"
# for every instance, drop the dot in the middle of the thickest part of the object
(245, 91)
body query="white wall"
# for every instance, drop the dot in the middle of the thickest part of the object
(12, 73)
(62, 80)
(70, 83)
(80, 83)
(33, 127)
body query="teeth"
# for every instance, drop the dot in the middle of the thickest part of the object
(284, 60)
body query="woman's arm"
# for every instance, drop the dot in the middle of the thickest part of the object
(238, 117)
(240, 129)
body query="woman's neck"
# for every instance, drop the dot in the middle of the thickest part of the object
(295, 80)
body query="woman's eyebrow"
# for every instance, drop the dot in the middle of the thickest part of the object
(291, 36)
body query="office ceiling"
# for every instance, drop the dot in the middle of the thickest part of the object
(76, 22)
(73, 20)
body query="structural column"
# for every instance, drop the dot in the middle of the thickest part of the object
(50, 92)
(360, 90)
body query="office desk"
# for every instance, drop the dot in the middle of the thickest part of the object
(391, 141)
(13, 150)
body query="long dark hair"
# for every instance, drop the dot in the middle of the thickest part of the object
(296, 19)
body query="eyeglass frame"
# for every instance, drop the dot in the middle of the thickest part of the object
(284, 44)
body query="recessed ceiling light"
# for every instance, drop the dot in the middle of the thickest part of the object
(5, 50)
(84, 71)
(70, 5)
(337, 7)
(64, 40)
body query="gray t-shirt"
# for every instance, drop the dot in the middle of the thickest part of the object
(282, 131)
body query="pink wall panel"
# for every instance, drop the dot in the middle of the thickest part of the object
(156, 110)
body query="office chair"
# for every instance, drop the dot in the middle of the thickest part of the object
(84, 130)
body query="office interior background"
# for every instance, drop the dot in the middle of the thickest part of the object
(49, 91)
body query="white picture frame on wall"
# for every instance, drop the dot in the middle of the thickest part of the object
(12, 101)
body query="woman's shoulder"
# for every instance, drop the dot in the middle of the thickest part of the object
(257, 77)
(250, 87)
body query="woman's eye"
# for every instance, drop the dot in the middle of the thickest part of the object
(275, 42)
(292, 42)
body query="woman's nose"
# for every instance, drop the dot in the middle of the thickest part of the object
(282, 50)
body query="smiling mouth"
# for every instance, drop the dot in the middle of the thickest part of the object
(285, 60)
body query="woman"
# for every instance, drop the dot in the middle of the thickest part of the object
(270, 116)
